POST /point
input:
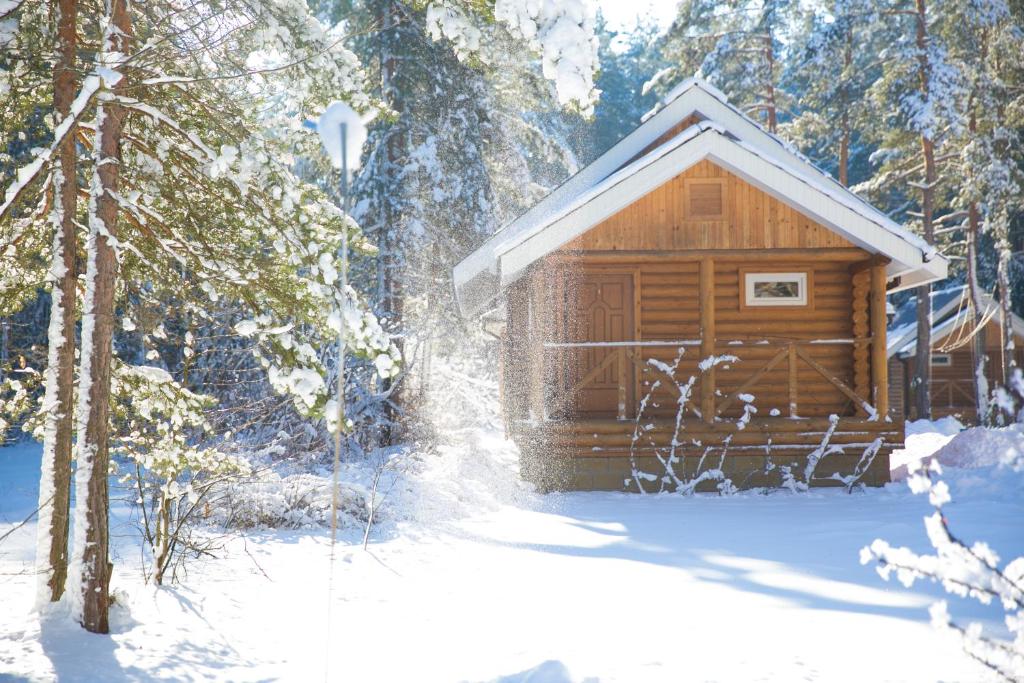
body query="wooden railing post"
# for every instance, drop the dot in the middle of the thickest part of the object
(622, 374)
(879, 357)
(707, 337)
(792, 380)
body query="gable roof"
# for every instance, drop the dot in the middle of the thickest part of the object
(950, 309)
(626, 173)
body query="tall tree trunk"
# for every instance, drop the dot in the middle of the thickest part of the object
(770, 59)
(844, 136)
(89, 582)
(55, 477)
(391, 258)
(923, 350)
(974, 291)
(977, 313)
(1006, 359)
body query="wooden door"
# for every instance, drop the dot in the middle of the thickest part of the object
(600, 310)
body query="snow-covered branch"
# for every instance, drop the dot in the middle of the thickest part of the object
(26, 174)
(968, 571)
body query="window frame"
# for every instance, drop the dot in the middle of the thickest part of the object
(948, 360)
(749, 277)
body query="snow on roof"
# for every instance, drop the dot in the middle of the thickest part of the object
(680, 89)
(480, 277)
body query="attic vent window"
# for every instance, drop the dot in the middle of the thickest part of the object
(705, 198)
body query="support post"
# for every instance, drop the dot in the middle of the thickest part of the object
(861, 318)
(792, 380)
(517, 339)
(536, 326)
(879, 358)
(707, 337)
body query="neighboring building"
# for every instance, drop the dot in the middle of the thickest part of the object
(953, 365)
(701, 231)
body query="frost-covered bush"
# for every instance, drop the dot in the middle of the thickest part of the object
(671, 459)
(964, 570)
(792, 480)
(159, 429)
(268, 500)
(708, 469)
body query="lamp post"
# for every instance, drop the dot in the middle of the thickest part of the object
(339, 126)
(340, 394)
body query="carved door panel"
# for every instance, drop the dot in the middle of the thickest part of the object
(600, 310)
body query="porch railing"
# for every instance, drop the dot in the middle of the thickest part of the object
(945, 393)
(626, 354)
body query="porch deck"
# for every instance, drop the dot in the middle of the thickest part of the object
(571, 442)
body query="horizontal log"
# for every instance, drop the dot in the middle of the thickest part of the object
(669, 267)
(808, 327)
(779, 452)
(748, 362)
(675, 279)
(737, 372)
(781, 328)
(757, 423)
(687, 437)
(792, 256)
(685, 307)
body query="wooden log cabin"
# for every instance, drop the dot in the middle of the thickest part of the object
(699, 233)
(952, 390)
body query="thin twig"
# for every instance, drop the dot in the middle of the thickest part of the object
(26, 520)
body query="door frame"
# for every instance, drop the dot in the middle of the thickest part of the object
(561, 269)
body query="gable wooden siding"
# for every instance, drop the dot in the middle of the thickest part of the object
(668, 135)
(753, 220)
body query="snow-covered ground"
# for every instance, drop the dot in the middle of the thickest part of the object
(475, 578)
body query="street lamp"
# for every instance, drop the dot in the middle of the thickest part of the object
(341, 128)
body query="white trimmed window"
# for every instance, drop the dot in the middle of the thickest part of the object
(942, 360)
(775, 289)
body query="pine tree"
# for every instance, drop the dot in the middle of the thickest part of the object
(89, 575)
(918, 101)
(738, 47)
(55, 480)
(832, 66)
(989, 160)
(973, 29)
